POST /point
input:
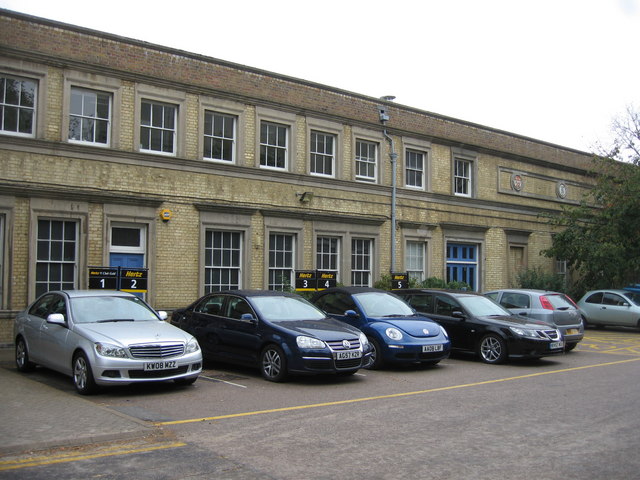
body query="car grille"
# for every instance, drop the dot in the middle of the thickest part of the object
(336, 345)
(550, 334)
(157, 350)
(351, 363)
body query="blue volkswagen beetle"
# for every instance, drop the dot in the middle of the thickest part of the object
(397, 334)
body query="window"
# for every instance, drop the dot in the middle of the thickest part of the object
(223, 257)
(89, 116)
(219, 136)
(322, 153)
(361, 262)
(56, 255)
(366, 161)
(462, 177)
(414, 260)
(414, 165)
(462, 264)
(158, 127)
(280, 261)
(328, 254)
(273, 145)
(17, 106)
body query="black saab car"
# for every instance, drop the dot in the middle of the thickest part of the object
(477, 324)
(279, 332)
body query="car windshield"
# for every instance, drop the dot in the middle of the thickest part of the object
(110, 309)
(279, 308)
(482, 306)
(380, 304)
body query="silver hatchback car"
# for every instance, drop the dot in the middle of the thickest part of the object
(611, 307)
(554, 308)
(103, 337)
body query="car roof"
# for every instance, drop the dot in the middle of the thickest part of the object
(91, 293)
(454, 293)
(610, 290)
(353, 290)
(525, 290)
(255, 293)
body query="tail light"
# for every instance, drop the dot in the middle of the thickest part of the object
(546, 304)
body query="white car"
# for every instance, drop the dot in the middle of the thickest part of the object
(101, 337)
(611, 307)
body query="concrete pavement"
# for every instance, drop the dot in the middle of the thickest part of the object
(35, 416)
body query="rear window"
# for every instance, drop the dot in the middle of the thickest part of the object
(558, 302)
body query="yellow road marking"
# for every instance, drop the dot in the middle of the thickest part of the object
(392, 395)
(74, 457)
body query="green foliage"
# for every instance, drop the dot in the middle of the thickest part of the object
(385, 282)
(536, 278)
(599, 238)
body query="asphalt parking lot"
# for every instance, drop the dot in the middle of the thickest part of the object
(573, 416)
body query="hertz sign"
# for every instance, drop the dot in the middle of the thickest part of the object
(118, 278)
(313, 280)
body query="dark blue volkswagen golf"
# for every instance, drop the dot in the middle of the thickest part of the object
(397, 333)
(279, 332)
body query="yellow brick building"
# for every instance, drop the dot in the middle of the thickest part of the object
(213, 175)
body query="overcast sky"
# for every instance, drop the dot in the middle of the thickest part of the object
(554, 70)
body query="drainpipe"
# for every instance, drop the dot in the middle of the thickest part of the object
(384, 118)
(394, 167)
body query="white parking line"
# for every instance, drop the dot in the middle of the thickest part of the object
(213, 379)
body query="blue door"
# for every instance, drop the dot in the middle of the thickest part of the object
(127, 260)
(462, 263)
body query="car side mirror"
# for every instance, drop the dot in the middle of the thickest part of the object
(458, 314)
(248, 317)
(56, 319)
(351, 313)
(163, 315)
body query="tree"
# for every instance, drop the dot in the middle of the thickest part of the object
(600, 238)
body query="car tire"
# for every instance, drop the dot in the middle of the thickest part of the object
(492, 349)
(83, 375)
(375, 360)
(570, 346)
(273, 364)
(184, 382)
(23, 364)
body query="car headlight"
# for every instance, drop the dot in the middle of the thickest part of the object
(192, 346)
(364, 341)
(109, 350)
(524, 332)
(309, 342)
(393, 333)
(444, 332)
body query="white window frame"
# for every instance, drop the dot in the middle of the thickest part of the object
(211, 137)
(162, 129)
(315, 152)
(208, 287)
(48, 262)
(334, 255)
(415, 264)
(32, 109)
(462, 177)
(357, 257)
(288, 264)
(90, 116)
(422, 171)
(265, 146)
(366, 160)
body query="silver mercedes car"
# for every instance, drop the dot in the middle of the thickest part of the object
(101, 337)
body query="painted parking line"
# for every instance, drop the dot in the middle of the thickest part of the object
(393, 395)
(74, 457)
(214, 379)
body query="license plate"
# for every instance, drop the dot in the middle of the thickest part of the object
(554, 345)
(347, 354)
(572, 331)
(163, 365)
(431, 348)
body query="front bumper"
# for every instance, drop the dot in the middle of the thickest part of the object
(114, 371)
(530, 348)
(411, 353)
